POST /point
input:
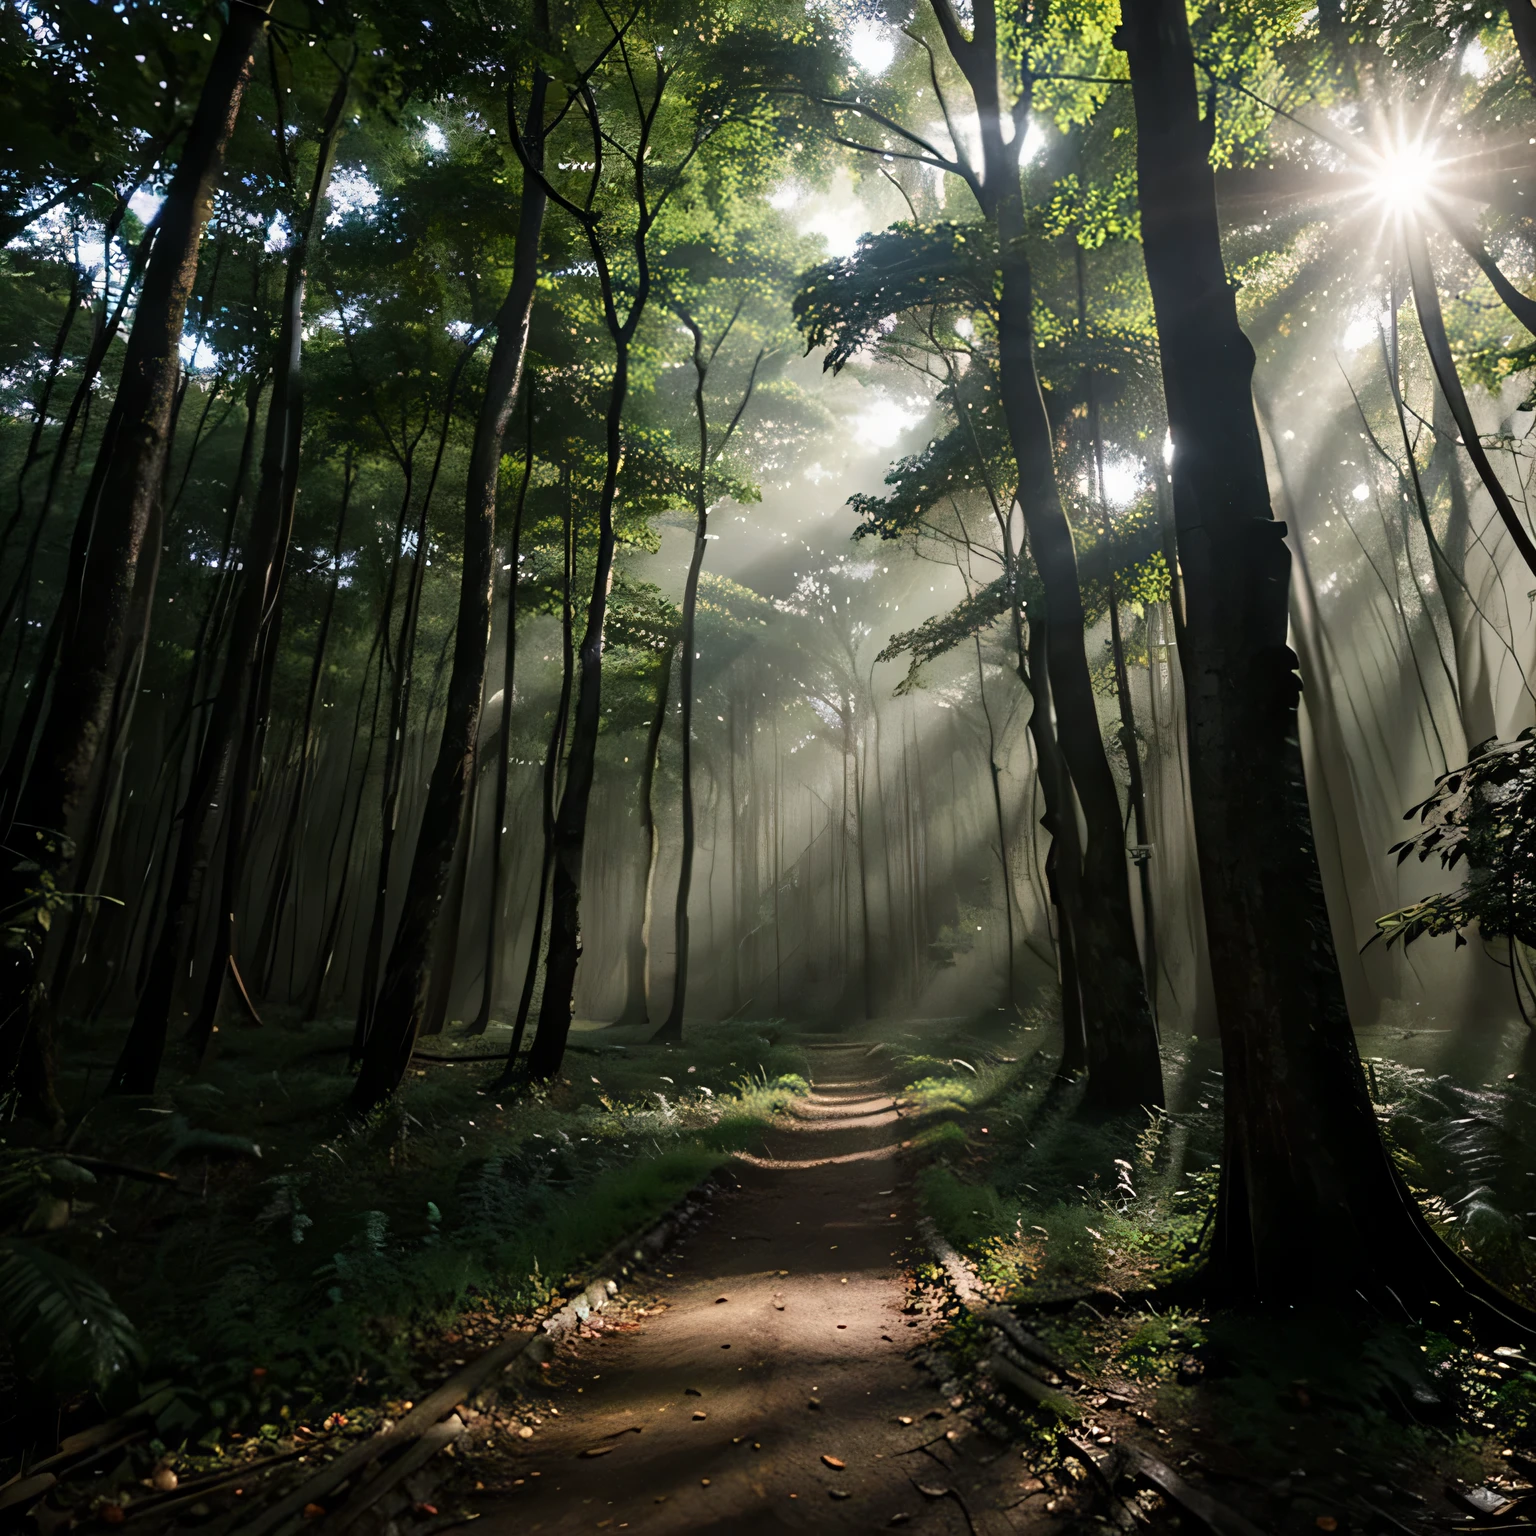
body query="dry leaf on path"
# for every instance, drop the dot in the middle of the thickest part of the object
(595, 1450)
(834, 1463)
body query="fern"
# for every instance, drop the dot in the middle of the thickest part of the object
(66, 1332)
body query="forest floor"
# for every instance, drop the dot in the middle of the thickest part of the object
(768, 1381)
(826, 1346)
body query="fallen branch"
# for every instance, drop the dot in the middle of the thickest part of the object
(419, 1454)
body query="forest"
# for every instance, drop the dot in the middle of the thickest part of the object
(683, 676)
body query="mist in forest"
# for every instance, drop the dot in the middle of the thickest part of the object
(952, 579)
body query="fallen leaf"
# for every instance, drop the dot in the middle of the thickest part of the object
(839, 1493)
(903, 1419)
(901, 1517)
(815, 1402)
(834, 1463)
(699, 1413)
(595, 1450)
(932, 1490)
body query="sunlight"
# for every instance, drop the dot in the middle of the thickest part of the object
(871, 47)
(1402, 176)
(881, 424)
(1361, 331)
(1122, 481)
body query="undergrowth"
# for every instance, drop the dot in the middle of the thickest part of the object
(1046, 1202)
(302, 1263)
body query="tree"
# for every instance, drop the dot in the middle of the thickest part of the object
(1125, 1070)
(1302, 1148)
(231, 741)
(94, 610)
(709, 452)
(403, 993)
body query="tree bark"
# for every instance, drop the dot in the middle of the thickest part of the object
(1522, 21)
(91, 651)
(552, 755)
(402, 1000)
(494, 937)
(564, 954)
(1124, 1068)
(1302, 1149)
(638, 990)
(236, 707)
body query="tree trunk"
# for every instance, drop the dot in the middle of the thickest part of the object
(1522, 20)
(637, 1001)
(1302, 1149)
(548, 1049)
(1124, 1069)
(402, 998)
(994, 777)
(1135, 789)
(91, 651)
(271, 926)
(496, 906)
(672, 1026)
(552, 755)
(233, 716)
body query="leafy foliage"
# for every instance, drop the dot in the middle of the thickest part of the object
(66, 1332)
(1483, 813)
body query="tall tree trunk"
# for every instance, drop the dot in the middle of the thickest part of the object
(271, 926)
(1124, 1069)
(552, 755)
(672, 1025)
(401, 1005)
(1135, 789)
(495, 938)
(564, 954)
(236, 706)
(1522, 20)
(995, 778)
(91, 650)
(1303, 1152)
(867, 958)
(637, 998)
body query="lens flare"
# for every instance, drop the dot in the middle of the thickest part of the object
(1403, 176)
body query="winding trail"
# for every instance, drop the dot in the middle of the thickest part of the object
(779, 1339)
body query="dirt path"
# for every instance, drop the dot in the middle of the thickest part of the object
(781, 1341)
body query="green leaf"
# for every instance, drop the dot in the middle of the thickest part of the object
(66, 1332)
